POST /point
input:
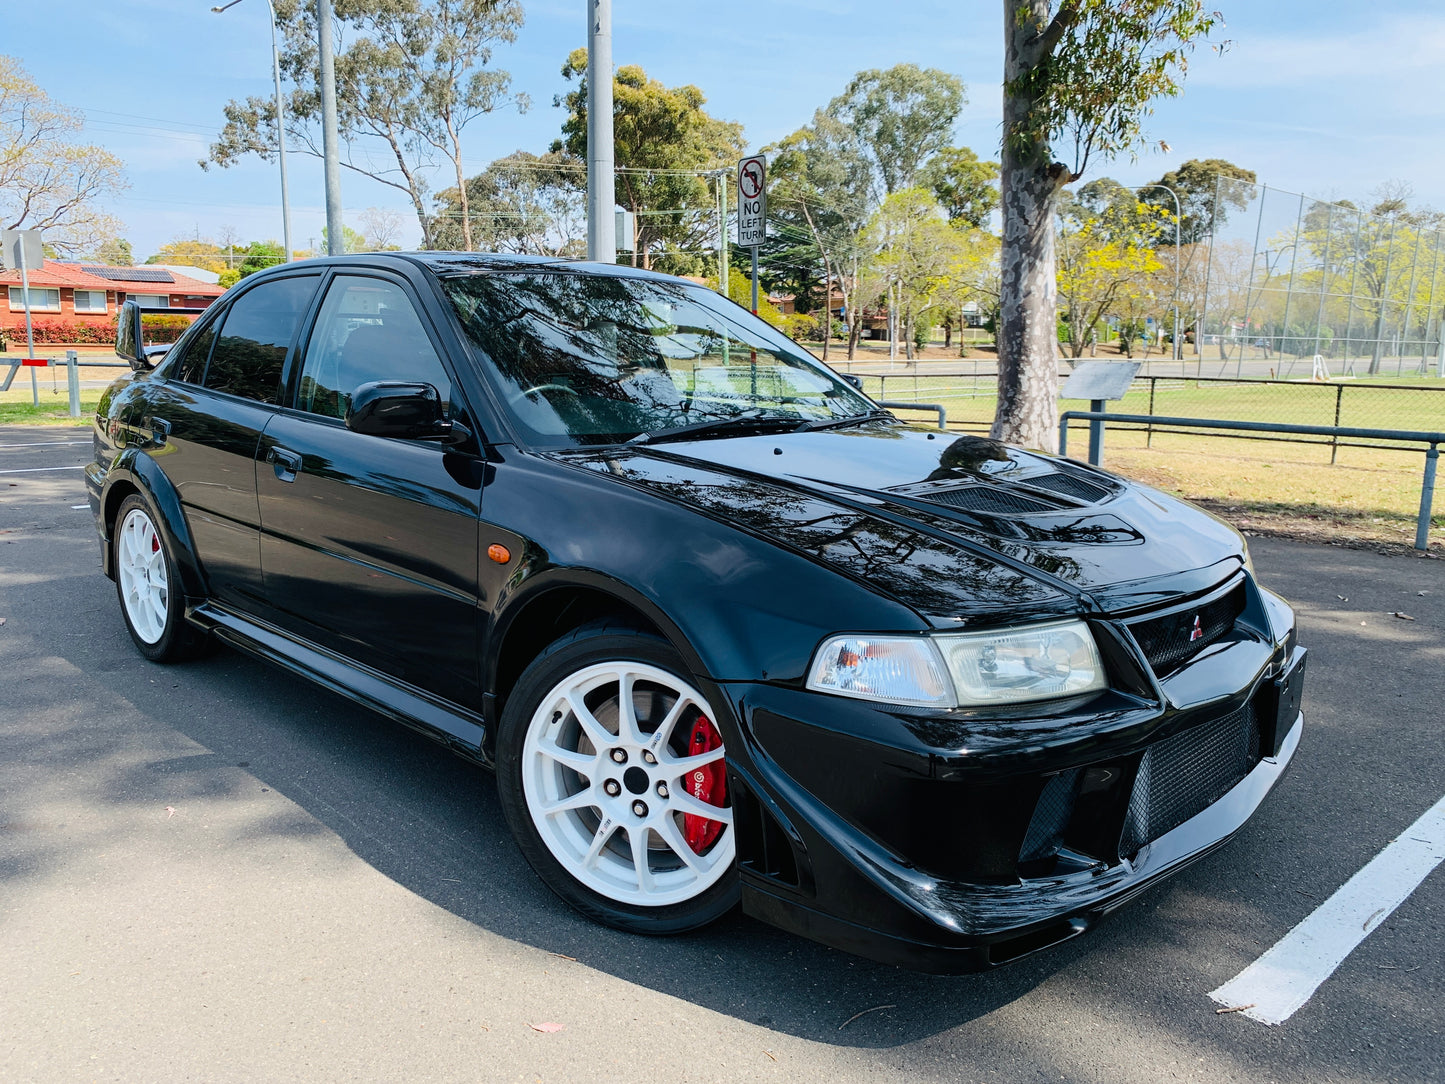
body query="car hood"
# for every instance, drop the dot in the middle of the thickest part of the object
(956, 527)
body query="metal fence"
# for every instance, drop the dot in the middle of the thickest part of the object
(1285, 285)
(969, 394)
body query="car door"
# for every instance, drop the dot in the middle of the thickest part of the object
(202, 421)
(369, 544)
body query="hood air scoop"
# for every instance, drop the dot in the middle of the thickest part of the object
(1052, 492)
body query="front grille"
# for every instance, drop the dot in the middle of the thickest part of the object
(1182, 776)
(987, 499)
(1069, 486)
(1167, 642)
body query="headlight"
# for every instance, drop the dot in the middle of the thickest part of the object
(967, 669)
(1012, 666)
(893, 669)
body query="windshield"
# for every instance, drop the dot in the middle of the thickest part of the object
(600, 359)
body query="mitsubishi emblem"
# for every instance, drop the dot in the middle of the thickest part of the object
(1196, 633)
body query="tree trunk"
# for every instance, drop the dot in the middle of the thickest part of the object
(1027, 412)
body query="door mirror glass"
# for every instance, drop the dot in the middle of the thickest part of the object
(128, 341)
(393, 408)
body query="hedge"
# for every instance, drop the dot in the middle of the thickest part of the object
(158, 329)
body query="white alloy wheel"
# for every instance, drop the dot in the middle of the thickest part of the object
(608, 784)
(141, 568)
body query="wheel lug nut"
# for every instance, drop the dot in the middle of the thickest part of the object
(647, 756)
(620, 755)
(612, 787)
(662, 790)
(640, 808)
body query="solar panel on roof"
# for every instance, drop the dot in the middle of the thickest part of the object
(130, 274)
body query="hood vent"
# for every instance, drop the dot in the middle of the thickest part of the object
(988, 499)
(1069, 485)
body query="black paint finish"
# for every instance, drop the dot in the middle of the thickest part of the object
(361, 561)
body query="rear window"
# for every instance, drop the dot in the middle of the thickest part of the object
(255, 335)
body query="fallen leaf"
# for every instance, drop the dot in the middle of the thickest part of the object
(563, 956)
(1233, 1008)
(547, 1028)
(1401, 616)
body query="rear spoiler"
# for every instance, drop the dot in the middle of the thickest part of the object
(129, 340)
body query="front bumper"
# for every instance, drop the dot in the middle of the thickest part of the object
(938, 841)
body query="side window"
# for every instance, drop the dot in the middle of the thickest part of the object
(191, 366)
(367, 330)
(250, 350)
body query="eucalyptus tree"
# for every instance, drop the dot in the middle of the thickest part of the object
(411, 75)
(1078, 75)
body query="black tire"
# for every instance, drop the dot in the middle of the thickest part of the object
(588, 650)
(161, 633)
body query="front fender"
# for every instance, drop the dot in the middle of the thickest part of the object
(134, 471)
(738, 606)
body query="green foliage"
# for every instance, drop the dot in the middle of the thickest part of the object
(964, 184)
(1196, 183)
(351, 241)
(114, 251)
(740, 289)
(900, 117)
(524, 203)
(1093, 68)
(411, 75)
(656, 130)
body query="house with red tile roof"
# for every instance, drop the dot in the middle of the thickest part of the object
(92, 294)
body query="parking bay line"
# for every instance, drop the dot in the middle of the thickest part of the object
(41, 444)
(40, 470)
(1286, 976)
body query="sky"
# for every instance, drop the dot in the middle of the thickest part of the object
(1326, 97)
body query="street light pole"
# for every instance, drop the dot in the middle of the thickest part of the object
(1178, 215)
(335, 242)
(601, 192)
(280, 125)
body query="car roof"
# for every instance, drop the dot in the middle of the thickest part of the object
(463, 263)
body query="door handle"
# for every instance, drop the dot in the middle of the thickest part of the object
(286, 463)
(160, 429)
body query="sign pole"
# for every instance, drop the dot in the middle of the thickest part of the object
(755, 280)
(29, 331)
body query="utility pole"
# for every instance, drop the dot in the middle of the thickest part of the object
(335, 241)
(601, 197)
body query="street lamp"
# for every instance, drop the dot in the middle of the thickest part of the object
(280, 125)
(1178, 215)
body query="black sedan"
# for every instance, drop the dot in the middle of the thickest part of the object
(725, 630)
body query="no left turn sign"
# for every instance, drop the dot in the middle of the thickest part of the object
(752, 201)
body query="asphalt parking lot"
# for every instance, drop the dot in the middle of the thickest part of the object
(218, 871)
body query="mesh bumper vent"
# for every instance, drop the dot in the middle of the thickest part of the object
(1182, 776)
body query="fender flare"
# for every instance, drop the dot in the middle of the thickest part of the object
(141, 473)
(515, 601)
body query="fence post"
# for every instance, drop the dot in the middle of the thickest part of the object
(72, 381)
(1427, 499)
(1149, 434)
(1335, 440)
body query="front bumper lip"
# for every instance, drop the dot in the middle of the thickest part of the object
(982, 926)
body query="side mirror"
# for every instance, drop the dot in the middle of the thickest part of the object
(394, 408)
(856, 381)
(129, 343)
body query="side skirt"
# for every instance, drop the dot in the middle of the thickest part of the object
(454, 726)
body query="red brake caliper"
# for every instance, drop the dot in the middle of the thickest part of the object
(708, 784)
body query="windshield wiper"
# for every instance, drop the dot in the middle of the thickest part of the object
(747, 419)
(852, 419)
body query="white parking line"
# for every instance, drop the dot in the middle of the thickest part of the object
(41, 444)
(38, 470)
(1285, 977)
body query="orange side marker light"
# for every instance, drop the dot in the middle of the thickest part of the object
(499, 553)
